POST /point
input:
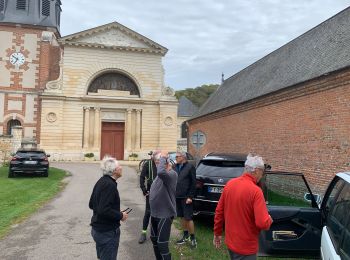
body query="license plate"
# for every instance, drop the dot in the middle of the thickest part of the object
(30, 162)
(215, 189)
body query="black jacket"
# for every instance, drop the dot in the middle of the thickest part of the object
(148, 174)
(105, 203)
(186, 181)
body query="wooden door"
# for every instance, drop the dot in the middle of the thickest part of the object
(112, 140)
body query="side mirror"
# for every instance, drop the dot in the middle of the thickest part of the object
(268, 167)
(308, 197)
(48, 155)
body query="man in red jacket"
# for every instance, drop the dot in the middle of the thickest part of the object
(242, 208)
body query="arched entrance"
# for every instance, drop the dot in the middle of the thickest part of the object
(11, 124)
(112, 131)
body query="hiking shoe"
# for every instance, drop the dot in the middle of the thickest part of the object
(182, 241)
(193, 243)
(142, 238)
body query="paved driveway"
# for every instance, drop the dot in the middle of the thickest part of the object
(61, 230)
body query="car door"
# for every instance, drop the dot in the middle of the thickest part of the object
(335, 236)
(297, 225)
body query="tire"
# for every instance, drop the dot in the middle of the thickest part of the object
(11, 174)
(46, 173)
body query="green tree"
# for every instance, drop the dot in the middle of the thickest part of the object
(197, 95)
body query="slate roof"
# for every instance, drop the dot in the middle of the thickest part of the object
(321, 50)
(186, 108)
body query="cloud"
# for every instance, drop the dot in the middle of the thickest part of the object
(205, 37)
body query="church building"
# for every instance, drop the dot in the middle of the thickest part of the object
(98, 91)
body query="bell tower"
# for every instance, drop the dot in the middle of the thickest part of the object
(29, 58)
(31, 12)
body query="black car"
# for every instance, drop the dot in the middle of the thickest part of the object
(212, 173)
(29, 161)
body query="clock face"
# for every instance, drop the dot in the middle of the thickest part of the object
(17, 59)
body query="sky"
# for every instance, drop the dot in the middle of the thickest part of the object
(205, 38)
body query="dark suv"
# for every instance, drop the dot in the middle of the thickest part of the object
(213, 172)
(29, 161)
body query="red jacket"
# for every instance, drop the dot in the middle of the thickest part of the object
(242, 208)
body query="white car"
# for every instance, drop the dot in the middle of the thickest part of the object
(303, 224)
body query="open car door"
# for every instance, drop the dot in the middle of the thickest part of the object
(297, 225)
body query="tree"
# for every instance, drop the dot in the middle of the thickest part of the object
(197, 95)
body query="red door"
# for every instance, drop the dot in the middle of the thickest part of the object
(112, 140)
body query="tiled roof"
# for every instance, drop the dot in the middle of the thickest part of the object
(321, 50)
(186, 108)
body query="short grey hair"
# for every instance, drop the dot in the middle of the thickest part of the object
(109, 165)
(156, 155)
(254, 162)
(182, 153)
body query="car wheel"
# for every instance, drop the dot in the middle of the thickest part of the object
(46, 174)
(11, 174)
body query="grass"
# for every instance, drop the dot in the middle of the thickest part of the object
(277, 199)
(22, 196)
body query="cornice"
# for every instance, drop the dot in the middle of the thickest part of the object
(121, 48)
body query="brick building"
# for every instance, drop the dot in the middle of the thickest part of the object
(29, 57)
(100, 90)
(292, 106)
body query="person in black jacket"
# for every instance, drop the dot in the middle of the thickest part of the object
(185, 190)
(148, 174)
(105, 203)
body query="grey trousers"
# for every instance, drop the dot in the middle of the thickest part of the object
(107, 243)
(235, 256)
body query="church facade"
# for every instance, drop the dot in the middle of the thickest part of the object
(104, 93)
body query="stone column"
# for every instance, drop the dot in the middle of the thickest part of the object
(138, 130)
(128, 130)
(86, 127)
(97, 130)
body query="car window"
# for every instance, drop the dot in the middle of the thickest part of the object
(338, 216)
(30, 154)
(281, 189)
(226, 169)
(332, 192)
(345, 246)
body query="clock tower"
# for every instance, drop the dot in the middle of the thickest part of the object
(29, 58)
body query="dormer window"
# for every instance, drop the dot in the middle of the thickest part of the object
(21, 5)
(2, 6)
(45, 7)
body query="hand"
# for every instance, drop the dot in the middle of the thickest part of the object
(146, 194)
(125, 216)
(217, 241)
(164, 153)
(188, 201)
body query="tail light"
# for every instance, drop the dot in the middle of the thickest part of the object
(46, 159)
(14, 158)
(199, 184)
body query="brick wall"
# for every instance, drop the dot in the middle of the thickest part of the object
(45, 56)
(303, 129)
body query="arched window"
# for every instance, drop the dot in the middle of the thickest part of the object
(184, 130)
(45, 7)
(11, 124)
(21, 5)
(114, 81)
(2, 6)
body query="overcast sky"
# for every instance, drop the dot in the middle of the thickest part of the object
(205, 37)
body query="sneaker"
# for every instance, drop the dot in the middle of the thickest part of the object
(142, 238)
(193, 243)
(183, 240)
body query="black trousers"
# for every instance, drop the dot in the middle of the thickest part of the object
(147, 215)
(160, 234)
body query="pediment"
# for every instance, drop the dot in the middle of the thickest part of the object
(113, 35)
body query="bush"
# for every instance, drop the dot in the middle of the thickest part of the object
(134, 155)
(89, 155)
